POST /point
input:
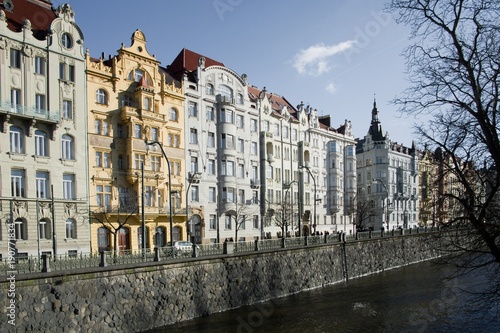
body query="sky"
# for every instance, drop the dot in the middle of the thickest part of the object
(334, 55)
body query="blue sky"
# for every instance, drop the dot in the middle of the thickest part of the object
(331, 54)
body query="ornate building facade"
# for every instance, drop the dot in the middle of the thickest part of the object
(388, 180)
(135, 125)
(43, 158)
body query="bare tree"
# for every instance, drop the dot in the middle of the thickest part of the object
(240, 214)
(454, 66)
(114, 218)
(282, 215)
(363, 209)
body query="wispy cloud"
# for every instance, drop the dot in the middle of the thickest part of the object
(331, 88)
(314, 59)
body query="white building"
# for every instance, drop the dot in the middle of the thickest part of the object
(43, 157)
(387, 180)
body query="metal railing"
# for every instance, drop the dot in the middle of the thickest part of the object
(47, 263)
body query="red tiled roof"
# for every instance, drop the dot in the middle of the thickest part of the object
(40, 13)
(187, 61)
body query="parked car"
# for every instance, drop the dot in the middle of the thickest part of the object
(184, 246)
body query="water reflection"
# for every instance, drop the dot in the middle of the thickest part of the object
(415, 298)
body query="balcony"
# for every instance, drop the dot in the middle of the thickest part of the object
(225, 100)
(254, 183)
(134, 175)
(29, 112)
(145, 114)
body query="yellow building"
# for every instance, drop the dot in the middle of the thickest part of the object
(133, 101)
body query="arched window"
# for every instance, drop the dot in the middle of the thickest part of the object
(103, 236)
(40, 143)
(101, 97)
(44, 229)
(16, 139)
(226, 91)
(210, 89)
(173, 114)
(137, 74)
(71, 229)
(123, 239)
(160, 237)
(67, 145)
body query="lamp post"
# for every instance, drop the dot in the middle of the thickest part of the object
(191, 179)
(387, 205)
(287, 187)
(150, 143)
(314, 183)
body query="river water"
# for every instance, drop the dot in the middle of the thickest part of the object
(414, 298)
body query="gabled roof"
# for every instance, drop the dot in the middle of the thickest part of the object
(32, 10)
(277, 102)
(187, 62)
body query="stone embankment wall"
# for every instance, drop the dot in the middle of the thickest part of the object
(133, 299)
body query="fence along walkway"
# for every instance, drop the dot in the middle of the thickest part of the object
(46, 263)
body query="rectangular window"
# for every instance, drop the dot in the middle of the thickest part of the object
(105, 128)
(98, 159)
(241, 146)
(240, 123)
(227, 222)
(71, 73)
(176, 141)
(241, 171)
(194, 164)
(16, 140)
(253, 149)
(256, 221)
(97, 126)
(150, 196)
(213, 222)
(253, 125)
(227, 141)
(211, 139)
(15, 58)
(210, 113)
(195, 193)
(15, 99)
(277, 129)
(155, 163)
(119, 130)
(39, 65)
(193, 136)
(68, 186)
(62, 71)
(67, 109)
(39, 103)
(154, 134)
(137, 131)
(17, 179)
(103, 195)
(211, 167)
(241, 196)
(211, 194)
(106, 161)
(40, 143)
(139, 161)
(227, 116)
(193, 109)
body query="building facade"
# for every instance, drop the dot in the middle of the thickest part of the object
(388, 181)
(135, 125)
(43, 158)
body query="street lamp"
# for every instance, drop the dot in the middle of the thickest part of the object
(314, 183)
(150, 143)
(287, 187)
(192, 178)
(387, 205)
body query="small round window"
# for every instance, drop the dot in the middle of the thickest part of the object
(67, 41)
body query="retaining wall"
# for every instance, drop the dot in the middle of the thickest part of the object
(144, 296)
